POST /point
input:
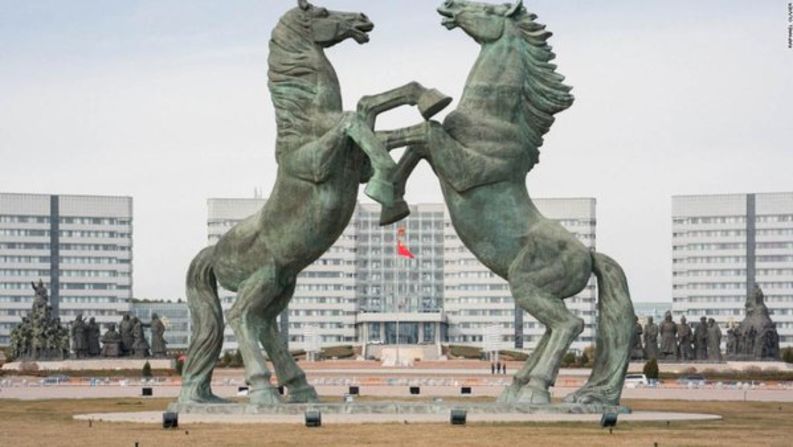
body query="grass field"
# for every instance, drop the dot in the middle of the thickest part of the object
(50, 423)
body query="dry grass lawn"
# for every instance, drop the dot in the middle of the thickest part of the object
(50, 423)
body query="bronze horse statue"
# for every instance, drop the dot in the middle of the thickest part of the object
(481, 154)
(323, 154)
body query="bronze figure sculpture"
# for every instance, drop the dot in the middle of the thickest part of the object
(323, 154)
(482, 154)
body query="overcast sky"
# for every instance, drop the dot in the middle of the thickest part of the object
(167, 101)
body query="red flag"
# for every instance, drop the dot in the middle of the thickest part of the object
(402, 250)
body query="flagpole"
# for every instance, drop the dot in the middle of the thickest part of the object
(399, 309)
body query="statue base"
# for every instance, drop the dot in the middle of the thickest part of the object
(393, 408)
(94, 364)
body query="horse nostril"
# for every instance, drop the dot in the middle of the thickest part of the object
(363, 16)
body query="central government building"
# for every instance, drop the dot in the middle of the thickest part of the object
(362, 292)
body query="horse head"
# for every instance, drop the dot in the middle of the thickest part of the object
(484, 22)
(331, 27)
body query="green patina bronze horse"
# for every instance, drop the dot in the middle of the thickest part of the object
(323, 155)
(482, 154)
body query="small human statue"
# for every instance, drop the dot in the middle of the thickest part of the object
(41, 300)
(92, 334)
(684, 340)
(714, 341)
(127, 339)
(140, 347)
(668, 330)
(158, 343)
(79, 337)
(650, 339)
(111, 342)
(701, 339)
(63, 341)
(637, 352)
(732, 342)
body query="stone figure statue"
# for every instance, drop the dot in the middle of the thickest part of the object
(714, 341)
(92, 336)
(701, 339)
(481, 154)
(732, 342)
(668, 331)
(756, 337)
(125, 328)
(64, 341)
(111, 342)
(650, 339)
(323, 154)
(637, 353)
(41, 299)
(36, 337)
(157, 337)
(79, 337)
(684, 340)
(140, 347)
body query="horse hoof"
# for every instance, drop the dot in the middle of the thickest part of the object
(393, 214)
(591, 397)
(303, 395)
(265, 396)
(532, 395)
(431, 102)
(380, 191)
(509, 395)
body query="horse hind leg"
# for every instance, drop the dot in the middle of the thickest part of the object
(245, 318)
(289, 373)
(562, 325)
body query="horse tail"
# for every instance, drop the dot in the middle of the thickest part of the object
(207, 332)
(614, 339)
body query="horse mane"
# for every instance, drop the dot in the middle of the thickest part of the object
(544, 93)
(293, 71)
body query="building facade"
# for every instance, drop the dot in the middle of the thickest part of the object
(361, 292)
(80, 246)
(724, 244)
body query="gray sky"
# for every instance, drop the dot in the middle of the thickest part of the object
(167, 101)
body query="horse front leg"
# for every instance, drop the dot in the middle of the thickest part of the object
(429, 101)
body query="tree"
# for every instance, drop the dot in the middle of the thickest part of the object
(146, 371)
(568, 360)
(787, 355)
(236, 360)
(651, 369)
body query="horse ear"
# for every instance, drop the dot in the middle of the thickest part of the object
(303, 4)
(515, 9)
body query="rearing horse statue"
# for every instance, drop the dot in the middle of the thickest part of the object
(482, 154)
(323, 154)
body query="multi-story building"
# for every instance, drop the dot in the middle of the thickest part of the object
(477, 301)
(80, 246)
(361, 292)
(400, 300)
(722, 245)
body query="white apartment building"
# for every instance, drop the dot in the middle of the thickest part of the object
(477, 301)
(80, 246)
(722, 245)
(360, 292)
